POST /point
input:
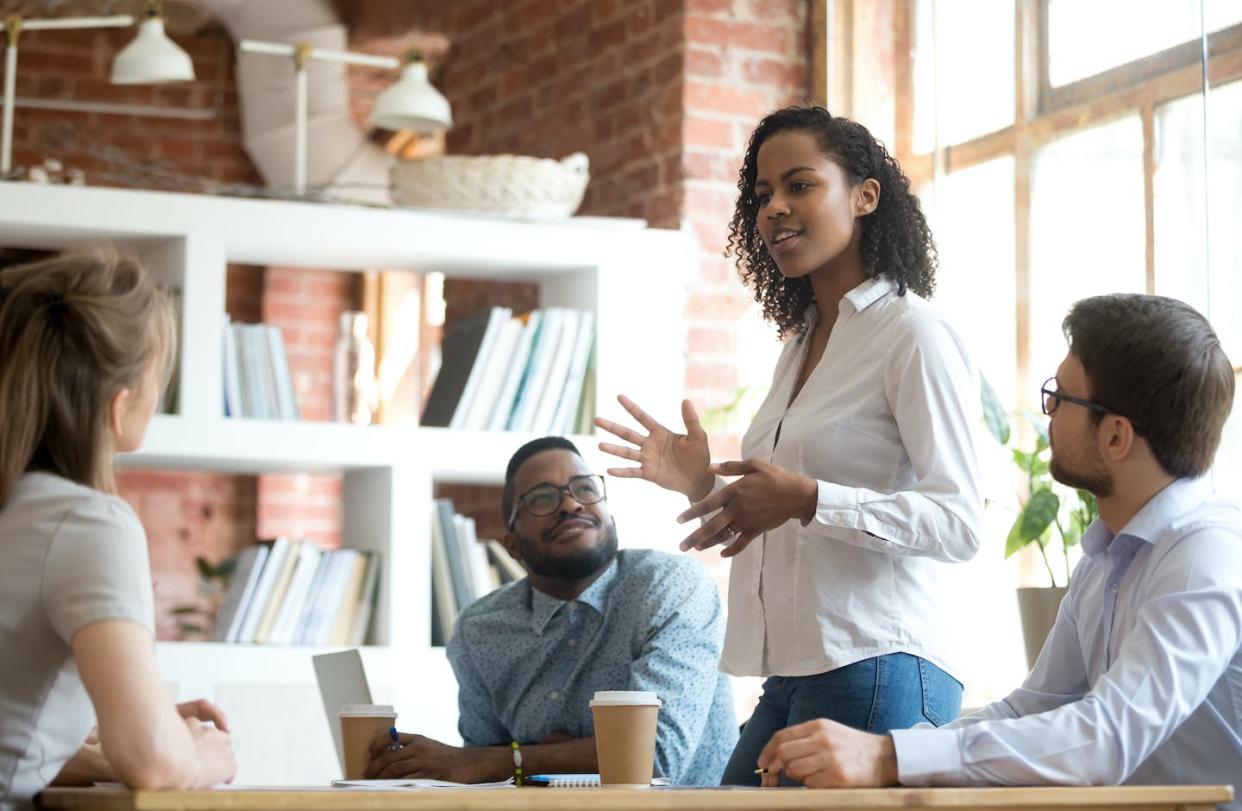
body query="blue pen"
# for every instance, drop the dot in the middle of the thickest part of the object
(396, 740)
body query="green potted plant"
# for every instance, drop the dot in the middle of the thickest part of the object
(1049, 514)
(195, 621)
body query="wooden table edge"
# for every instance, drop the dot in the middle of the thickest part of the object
(1130, 798)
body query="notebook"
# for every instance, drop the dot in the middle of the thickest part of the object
(576, 781)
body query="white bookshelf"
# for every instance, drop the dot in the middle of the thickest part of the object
(632, 277)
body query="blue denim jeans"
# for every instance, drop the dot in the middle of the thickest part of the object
(895, 691)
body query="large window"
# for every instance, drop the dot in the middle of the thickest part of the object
(1062, 148)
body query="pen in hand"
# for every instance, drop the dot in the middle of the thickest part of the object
(396, 740)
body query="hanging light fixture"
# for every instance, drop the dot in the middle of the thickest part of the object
(413, 103)
(152, 58)
(13, 28)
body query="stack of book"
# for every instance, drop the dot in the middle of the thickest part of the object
(257, 382)
(530, 373)
(287, 592)
(463, 568)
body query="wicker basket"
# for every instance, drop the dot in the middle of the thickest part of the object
(508, 184)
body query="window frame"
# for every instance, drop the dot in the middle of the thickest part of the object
(1042, 114)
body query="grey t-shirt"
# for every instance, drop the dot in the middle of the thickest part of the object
(70, 556)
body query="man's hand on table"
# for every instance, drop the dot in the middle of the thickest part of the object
(825, 754)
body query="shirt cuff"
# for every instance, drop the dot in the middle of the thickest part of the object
(928, 756)
(837, 506)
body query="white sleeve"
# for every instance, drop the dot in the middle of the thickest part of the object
(935, 403)
(1188, 630)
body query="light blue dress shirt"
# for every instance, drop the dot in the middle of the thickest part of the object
(1140, 681)
(527, 664)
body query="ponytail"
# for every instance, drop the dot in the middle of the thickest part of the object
(75, 330)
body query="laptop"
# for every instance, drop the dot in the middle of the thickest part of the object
(342, 680)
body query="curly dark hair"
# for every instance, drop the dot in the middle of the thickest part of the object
(896, 240)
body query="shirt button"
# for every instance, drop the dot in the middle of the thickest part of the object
(573, 643)
(573, 605)
(554, 695)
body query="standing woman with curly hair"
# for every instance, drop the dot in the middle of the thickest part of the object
(860, 477)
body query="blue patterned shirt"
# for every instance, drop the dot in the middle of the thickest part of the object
(527, 664)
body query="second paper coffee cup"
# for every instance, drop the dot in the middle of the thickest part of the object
(625, 736)
(360, 723)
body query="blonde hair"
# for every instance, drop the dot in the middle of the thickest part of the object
(75, 330)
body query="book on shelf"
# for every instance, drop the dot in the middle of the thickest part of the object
(584, 423)
(499, 419)
(463, 568)
(494, 375)
(273, 566)
(496, 318)
(558, 371)
(170, 397)
(535, 378)
(257, 380)
(294, 601)
(286, 592)
(565, 418)
(242, 584)
(524, 373)
(507, 569)
(460, 349)
(444, 601)
(454, 553)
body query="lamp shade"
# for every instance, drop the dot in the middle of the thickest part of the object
(152, 58)
(412, 104)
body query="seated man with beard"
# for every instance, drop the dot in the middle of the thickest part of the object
(529, 656)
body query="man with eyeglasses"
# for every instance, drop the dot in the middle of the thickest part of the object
(529, 656)
(1140, 680)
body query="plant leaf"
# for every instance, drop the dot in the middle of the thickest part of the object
(1041, 430)
(1014, 542)
(993, 412)
(1038, 515)
(225, 570)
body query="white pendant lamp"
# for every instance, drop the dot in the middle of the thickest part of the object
(413, 103)
(152, 58)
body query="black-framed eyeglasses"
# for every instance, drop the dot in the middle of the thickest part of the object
(1050, 400)
(545, 498)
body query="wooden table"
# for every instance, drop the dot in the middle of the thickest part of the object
(1136, 798)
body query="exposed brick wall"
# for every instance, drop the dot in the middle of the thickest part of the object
(661, 94)
(551, 77)
(185, 514)
(744, 58)
(74, 65)
(306, 304)
(188, 515)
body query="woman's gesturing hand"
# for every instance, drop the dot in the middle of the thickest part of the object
(765, 497)
(677, 462)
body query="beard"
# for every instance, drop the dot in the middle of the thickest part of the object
(575, 565)
(1097, 482)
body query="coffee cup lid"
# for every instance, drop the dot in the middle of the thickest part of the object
(360, 710)
(624, 698)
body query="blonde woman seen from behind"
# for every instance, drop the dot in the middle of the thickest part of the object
(86, 345)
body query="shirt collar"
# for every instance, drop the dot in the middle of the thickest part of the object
(1149, 523)
(543, 607)
(857, 300)
(868, 293)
